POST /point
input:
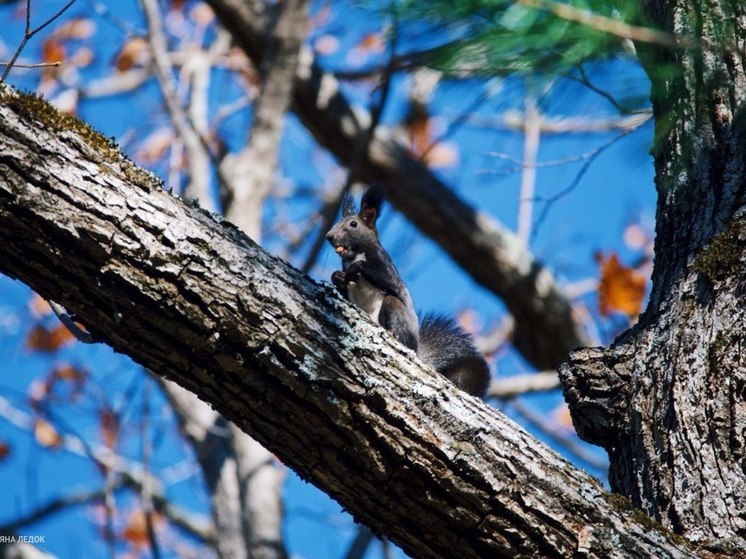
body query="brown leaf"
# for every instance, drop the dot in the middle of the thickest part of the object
(135, 51)
(620, 289)
(110, 424)
(52, 50)
(48, 341)
(46, 435)
(136, 530)
(372, 42)
(43, 339)
(418, 125)
(4, 450)
(68, 372)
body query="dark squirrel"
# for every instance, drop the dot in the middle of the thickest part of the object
(370, 280)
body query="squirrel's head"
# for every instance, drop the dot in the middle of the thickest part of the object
(356, 232)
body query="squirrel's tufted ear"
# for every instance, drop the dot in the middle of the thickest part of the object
(370, 205)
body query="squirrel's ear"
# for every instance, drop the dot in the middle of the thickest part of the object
(370, 206)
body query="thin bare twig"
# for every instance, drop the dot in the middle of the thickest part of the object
(29, 33)
(585, 80)
(39, 65)
(516, 121)
(549, 202)
(55, 505)
(131, 475)
(146, 493)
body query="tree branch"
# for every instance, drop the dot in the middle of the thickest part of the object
(198, 156)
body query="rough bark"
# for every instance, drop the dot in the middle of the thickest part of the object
(288, 361)
(668, 400)
(544, 328)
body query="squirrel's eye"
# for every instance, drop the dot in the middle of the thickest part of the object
(353, 223)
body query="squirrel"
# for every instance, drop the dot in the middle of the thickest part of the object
(370, 280)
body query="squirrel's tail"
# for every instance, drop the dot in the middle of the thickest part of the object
(449, 350)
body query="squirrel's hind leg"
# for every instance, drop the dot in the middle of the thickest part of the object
(394, 316)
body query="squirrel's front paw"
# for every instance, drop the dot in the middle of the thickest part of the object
(338, 278)
(353, 272)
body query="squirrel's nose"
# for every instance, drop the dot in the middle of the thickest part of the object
(329, 236)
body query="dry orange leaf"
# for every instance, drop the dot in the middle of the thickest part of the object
(52, 50)
(621, 289)
(371, 42)
(419, 135)
(4, 450)
(109, 428)
(48, 341)
(68, 372)
(418, 126)
(133, 52)
(46, 435)
(136, 530)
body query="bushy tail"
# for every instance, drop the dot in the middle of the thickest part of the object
(449, 350)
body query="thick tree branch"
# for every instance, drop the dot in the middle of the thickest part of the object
(248, 174)
(287, 359)
(545, 331)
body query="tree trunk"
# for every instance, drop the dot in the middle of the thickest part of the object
(668, 399)
(288, 361)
